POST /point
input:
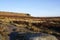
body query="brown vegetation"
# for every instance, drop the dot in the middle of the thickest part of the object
(27, 23)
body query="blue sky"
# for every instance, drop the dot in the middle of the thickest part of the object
(38, 8)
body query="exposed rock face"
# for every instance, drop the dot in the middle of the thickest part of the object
(41, 36)
(46, 38)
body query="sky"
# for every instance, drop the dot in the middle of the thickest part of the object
(38, 8)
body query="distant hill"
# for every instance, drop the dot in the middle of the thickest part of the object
(13, 14)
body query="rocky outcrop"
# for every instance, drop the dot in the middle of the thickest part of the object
(40, 36)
